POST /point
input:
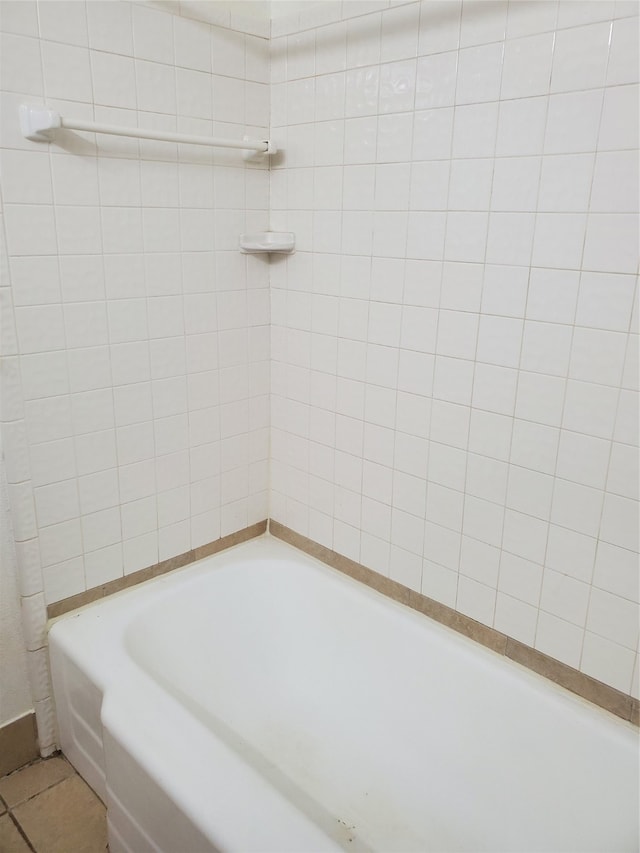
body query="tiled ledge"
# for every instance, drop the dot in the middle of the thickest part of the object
(571, 679)
(90, 595)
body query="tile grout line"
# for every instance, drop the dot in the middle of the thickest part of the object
(14, 820)
(28, 799)
(11, 810)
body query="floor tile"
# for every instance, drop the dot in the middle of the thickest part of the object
(68, 817)
(31, 780)
(10, 839)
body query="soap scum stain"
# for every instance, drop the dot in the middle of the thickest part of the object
(348, 827)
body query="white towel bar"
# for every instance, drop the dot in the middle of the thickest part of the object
(39, 123)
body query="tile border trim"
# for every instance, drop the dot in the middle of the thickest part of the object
(58, 608)
(602, 695)
(18, 743)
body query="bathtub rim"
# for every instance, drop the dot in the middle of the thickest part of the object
(589, 691)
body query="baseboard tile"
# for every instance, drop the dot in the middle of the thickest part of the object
(18, 743)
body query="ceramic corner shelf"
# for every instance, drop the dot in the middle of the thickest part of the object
(282, 242)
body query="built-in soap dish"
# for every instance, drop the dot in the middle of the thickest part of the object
(283, 242)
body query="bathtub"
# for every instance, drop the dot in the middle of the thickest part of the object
(261, 701)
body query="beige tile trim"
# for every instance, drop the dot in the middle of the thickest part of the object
(18, 743)
(98, 592)
(577, 682)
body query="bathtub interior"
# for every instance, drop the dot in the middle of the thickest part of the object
(383, 730)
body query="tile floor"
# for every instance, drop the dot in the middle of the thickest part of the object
(47, 808)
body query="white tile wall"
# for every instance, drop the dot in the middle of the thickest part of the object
(134, 336)
(454, 345)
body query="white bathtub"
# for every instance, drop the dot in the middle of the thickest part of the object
(260, 701)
